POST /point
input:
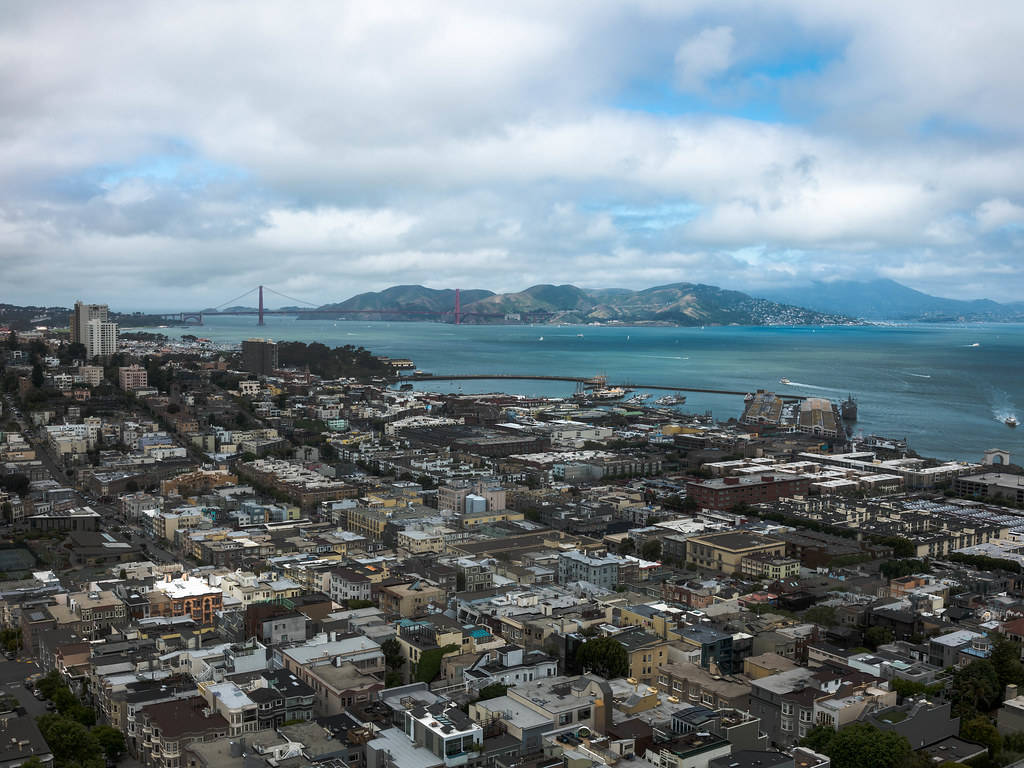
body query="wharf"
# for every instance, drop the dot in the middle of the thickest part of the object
(576, 380)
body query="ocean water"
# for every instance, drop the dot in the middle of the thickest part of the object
(946, 388)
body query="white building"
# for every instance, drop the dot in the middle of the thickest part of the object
(100, 338)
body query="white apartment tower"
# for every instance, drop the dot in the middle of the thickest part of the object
(100, 338)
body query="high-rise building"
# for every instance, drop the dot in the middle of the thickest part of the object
(259, 356)
(100, 338)
(82, 315)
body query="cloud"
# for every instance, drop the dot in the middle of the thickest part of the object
(707, 54)
(148, 159)
(998, 213)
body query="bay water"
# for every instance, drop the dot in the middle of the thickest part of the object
(945, 388)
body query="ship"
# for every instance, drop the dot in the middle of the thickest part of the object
(1010, 421)
(784, 380)
(671, 400)
(849, 409)
(609, 393)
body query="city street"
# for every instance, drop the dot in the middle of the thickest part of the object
(12, 678)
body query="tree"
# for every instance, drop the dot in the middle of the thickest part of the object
(492, 691)
(981, 730)
(825, 615)
(860, 745)
(627, 546)
(1005, 658)
(111, 741)
(975, 689)
(605, 656)
(393, 658)
(70, 742)
(876, 636)
(37, 376)
(651, 549)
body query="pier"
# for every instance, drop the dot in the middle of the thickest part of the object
(579, 380)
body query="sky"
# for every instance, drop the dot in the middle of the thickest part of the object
(172, 156)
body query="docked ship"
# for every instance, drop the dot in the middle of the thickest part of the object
(608, 393)
(849, 409)
(671, 400)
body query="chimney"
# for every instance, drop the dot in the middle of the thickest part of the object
(1011, 692)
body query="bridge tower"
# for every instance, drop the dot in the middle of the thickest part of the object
(458, 311)
(261, 307)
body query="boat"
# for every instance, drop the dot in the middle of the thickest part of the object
(748, 397)
(1010, 421)
(609, 393)
(671, 400)
(784, 380)
(849, 409)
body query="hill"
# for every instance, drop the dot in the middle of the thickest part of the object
(409, 297)
(676, 304)
(889, 300)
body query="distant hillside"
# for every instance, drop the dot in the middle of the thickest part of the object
(677, 304)
(889, 300)
(410, 297)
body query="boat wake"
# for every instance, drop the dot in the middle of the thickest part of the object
(810, 386)
(919, 375)
(665, 357)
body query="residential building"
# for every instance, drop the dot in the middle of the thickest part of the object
(100, 339)
(259, 356)
(132, 377)
(725, 551)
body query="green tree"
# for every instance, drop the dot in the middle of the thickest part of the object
(876, 636)
(975, 689)
(981, 730)
(825, 615)
(1005, 657)
(860, 745)
(111, 741)
(392, 653)
(492, 691)
(70, 742)
(651, 549)
(37, 376)
(605, 656)
(627, 546)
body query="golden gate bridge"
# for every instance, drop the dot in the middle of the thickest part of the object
(454, 315)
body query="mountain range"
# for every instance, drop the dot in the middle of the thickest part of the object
(887, 300)
(676, 304)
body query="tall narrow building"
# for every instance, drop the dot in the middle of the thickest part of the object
(259, 356)
(82, 315)
(100, 338)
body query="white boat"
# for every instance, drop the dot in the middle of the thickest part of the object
(1010, 421)
(784, 380)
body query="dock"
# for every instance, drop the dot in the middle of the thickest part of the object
(578, 380)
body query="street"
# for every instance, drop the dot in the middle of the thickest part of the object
(12, 678)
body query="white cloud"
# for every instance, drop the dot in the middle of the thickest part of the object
(340, 147)
(702, 57)
(997, 213)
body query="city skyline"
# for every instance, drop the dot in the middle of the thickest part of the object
(349, 148)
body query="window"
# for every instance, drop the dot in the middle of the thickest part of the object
(583, 714)
(805, 715)
(787, 708)
(787, 725)
(565, 718)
